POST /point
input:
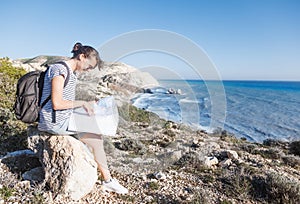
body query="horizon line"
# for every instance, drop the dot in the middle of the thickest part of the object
(249, 80)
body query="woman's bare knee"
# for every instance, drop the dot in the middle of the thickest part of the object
(91, 136)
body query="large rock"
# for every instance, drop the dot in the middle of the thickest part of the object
(68, 164)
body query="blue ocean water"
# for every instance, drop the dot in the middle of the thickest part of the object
(256, 110)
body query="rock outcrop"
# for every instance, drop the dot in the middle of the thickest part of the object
(114, 78)
(37, 63)
(117, 79)
(68, 164)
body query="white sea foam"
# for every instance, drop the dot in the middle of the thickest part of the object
(255, 110)
(188, 101)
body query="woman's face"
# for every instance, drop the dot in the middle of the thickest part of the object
(87, 63)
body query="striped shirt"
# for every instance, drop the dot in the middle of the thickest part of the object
(45, 120)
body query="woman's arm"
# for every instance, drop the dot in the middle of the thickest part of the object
(58, 103)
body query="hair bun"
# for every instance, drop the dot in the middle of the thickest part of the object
(76, 47)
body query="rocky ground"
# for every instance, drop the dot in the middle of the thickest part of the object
(164, 162)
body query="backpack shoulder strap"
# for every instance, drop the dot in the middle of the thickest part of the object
(65, 83)
(68, 70)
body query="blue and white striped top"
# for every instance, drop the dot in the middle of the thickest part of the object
(45, 120)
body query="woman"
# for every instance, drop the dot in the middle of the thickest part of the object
(55, 115)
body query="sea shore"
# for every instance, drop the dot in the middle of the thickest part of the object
(161, 161)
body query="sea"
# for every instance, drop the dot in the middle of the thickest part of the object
(255, 110)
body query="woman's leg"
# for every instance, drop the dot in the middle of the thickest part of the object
(95, 142)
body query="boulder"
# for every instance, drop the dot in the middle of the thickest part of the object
(226, 163)
(232, 154)
(160, 176)
(69, 166)
(210, 161)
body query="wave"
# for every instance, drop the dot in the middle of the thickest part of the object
(188, 101)
(253, 112)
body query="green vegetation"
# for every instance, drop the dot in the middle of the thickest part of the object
(153, 185)
(9, 76)
(126, 198)
(282, 189)
(38, 198)
(238, 184)
(292, 161)
(7, 68)
(138, 115)
(130, 113)
(270, 153)
(199, 197)
(12, 131)
(6, 192)
(142, 117)
(227, 137)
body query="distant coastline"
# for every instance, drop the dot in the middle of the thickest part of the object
(234, 80)
(256, 110)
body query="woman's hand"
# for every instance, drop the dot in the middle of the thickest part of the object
(89, 107)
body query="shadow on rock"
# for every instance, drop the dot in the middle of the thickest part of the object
(21, 164)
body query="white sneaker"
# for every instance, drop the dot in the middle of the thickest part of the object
(114, 186)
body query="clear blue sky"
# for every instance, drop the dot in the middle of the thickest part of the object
(245, 39)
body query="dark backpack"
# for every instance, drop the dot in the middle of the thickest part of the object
(29, 93)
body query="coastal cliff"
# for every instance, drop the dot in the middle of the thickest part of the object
(159, 161)
(114, 78)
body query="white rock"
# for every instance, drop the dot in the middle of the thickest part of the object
(177, 154)
(232, 154)
(160, 176)
(213, 146)
(226, 163)
(201, 144)
(144, 177)
(149, 199)
(210, 161)
(68, 165)
(153, 180)
(138, 160)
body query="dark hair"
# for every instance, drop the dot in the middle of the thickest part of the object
(87, 51)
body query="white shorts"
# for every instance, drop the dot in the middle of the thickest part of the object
(62, 129)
